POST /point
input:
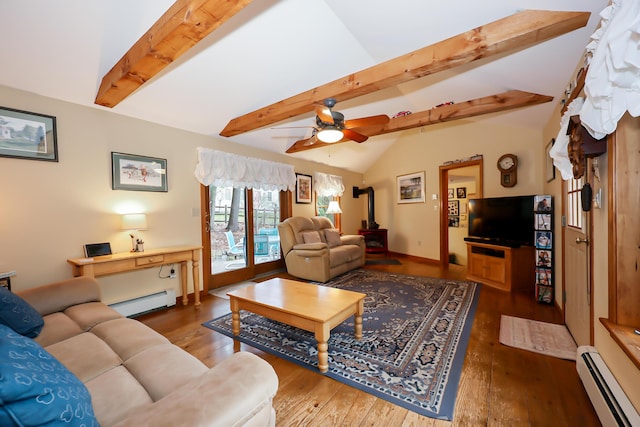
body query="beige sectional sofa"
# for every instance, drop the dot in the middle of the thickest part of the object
(136, 377)
(314, 250)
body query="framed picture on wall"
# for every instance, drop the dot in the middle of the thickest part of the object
(303, 188)
(453, 207)
(411, 188)
(450, 193)
(25, 135)
(138, 173)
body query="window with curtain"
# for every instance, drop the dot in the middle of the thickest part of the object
(328, 189)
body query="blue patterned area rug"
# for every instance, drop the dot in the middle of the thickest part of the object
(415, 335)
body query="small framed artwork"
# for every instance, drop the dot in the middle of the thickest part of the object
(411, 188)
(550, 170)
(543, 276)
(462, 192)
(543, 258)
(138, 173)
(543, 222)
(25, 135)
(454, 221)
(303, 188)
(544, 294)
(542, 203)
(463, 207)
(543, 240)
(450, 193)
(453, 207)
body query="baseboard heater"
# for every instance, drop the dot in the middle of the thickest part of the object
(146, 303)
(608, 399)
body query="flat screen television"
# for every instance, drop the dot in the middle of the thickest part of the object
(506, 221)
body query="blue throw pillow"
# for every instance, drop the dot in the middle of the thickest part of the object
(36, 389)
(17, 314)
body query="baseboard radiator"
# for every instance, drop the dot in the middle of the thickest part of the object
(143, 304)
(609, 400)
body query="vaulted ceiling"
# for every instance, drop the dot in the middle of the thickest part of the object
(290, 53)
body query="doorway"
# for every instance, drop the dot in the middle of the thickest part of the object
(449, 174)
(240, 234)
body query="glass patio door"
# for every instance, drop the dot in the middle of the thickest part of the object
(241, 237)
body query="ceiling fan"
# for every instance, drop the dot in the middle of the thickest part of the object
(331, 127)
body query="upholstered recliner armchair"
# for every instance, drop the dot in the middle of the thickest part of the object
(313, 248)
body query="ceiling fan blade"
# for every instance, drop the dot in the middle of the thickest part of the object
(381, 119)
(354, 136)
(324, 113)
(303, 144)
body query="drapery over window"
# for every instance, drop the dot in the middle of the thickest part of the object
(328, 185)
(231, 170)
(612, 84)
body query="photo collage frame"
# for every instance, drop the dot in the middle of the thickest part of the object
(544, 283)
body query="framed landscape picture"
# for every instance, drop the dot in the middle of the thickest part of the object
(411, 188)
(138, 173)
(25, 135)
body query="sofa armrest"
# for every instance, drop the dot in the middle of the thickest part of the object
(310, 247)
(352, 239)
(61, 295)
(236, 392)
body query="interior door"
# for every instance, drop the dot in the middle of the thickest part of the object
(577, 280)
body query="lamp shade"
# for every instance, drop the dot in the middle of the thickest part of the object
(134, 221)
(334, 207)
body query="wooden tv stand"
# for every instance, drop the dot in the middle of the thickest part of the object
(501, 267)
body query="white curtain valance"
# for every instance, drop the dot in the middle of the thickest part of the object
(327, 185)
(231, 170)
(612, 84)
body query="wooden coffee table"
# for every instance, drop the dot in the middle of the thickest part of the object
(314, 308)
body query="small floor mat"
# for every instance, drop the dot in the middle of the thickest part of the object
(540, 337)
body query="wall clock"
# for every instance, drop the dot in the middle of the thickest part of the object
(508, 167)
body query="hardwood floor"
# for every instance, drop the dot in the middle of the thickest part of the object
(499, 385)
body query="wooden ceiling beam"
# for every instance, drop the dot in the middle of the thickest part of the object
(509, 34)
(475, 107)
(183, 25)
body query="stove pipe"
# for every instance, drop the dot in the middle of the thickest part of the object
(372, 225)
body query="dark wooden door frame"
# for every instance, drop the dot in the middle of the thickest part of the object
(444, 217)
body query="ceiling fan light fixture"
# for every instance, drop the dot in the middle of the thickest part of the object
(330, 134)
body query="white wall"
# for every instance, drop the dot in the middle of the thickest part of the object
(50, 209)
(414, 228)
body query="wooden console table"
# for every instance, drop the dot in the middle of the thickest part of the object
(129, 261)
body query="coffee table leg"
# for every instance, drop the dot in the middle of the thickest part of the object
(322, 336)
(235, 315)
(358, 319)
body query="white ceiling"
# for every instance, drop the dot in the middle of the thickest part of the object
(272, 50)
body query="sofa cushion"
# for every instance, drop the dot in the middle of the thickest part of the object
(17, 314)
(343, 254)
(311, 237)
(332, 236)
(116, 395)
(163, 368)
(36, 389)
(128, 337)
(85, 355)
(57, 327)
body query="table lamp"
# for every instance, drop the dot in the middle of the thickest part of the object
(334, 207)
(134, 223)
